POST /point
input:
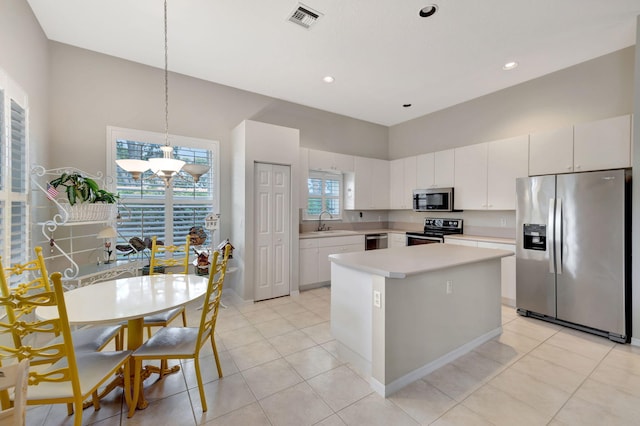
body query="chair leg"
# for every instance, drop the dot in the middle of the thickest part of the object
(136, 387)
(148, 332)
(215, 354)
(128, 398)
(184, 317)
(77, 420)
(95, 400)
(203, 399)
(69, 409)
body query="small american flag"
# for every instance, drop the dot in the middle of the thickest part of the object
(52, 192)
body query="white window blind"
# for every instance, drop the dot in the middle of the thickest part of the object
(14, 161)
(153, 209)
(325, 194)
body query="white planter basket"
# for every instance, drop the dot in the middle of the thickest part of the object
(88, 212)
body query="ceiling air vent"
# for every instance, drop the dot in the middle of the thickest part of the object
(304, 16)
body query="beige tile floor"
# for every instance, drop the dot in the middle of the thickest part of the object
(280, 369)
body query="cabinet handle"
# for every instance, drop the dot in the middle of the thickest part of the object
(578, 166)
(569, 167)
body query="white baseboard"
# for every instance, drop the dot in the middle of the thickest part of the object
(399, 383)
(635, 341)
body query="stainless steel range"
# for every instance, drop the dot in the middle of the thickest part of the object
(434, 231)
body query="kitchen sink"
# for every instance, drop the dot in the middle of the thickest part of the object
(331, 232)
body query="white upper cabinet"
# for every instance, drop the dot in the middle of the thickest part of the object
(402, 182)
(551, 152)
(485, 174)
(597, 145)
(323, 160)
(443, 168)
(435, 169)
(507, 159)
(368, 187)
(470, 171)
(602, 144)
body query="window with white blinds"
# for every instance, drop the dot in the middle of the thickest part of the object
(151, 209)
(14, 206)
(325, 194)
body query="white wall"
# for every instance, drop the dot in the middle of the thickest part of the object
(91, 91)
(24, 56)
(600, 88)
(267, 143)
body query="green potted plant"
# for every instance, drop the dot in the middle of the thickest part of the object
(87, 201)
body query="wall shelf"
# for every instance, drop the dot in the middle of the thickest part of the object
(74, 248)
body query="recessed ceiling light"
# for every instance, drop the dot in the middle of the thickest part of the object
(428, 10)
(406, 105)
(509, 65)
(328, 79)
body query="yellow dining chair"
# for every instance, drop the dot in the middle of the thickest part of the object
(163, 319)
(15, 376)
(70, 377)
(33, 278)
(186, 342)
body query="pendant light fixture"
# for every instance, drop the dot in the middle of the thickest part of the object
(165, 167)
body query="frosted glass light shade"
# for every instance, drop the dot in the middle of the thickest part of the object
(107, 232)
(196, 170)
(135, 167)
(166, 166)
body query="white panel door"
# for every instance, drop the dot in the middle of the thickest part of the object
(272, 230)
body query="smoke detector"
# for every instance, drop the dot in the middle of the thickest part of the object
(304, 16)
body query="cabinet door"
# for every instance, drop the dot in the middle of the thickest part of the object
(396, 183)
(459, 242)
(379, 184)
(343, 162)
(425, 172)
(409, 183)
(363, 186)
(507, 159)
(308, 265)
(551, 152)
(602, 144)
(471, 177)
(508, 269)
(320, 160)
(397, 240)
(443, 168)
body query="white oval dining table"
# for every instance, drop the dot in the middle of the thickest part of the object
(128, 299)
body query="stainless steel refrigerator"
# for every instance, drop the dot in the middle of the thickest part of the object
(573, 251)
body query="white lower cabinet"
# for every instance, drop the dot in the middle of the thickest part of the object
(397, 239)
(507, 266)
(315, 266)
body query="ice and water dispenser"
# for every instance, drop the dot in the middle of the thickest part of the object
(535, 236)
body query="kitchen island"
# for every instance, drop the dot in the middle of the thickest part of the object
(397, 314)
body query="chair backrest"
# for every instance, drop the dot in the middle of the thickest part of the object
(27, 278)
(212, 298)
(44, 331)
(16, 376)
(165, 261)
(226, 252)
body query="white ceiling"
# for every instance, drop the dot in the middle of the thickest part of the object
(381, 53)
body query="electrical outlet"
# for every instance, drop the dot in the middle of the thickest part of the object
(449, 286)
(377, 302)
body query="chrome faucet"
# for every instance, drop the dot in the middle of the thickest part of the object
(322, 226)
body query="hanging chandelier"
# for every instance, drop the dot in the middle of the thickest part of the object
(165, 167)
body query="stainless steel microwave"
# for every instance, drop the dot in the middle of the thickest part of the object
(433, 200)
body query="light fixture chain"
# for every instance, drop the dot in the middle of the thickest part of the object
(166, 79)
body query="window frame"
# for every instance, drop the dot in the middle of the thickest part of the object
(14, 253)
(323, 174)
(213, 203)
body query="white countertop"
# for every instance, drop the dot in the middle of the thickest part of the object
(482, 238)
(400, 262)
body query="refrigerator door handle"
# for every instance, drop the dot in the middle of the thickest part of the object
(551, 233)
(557, 237)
